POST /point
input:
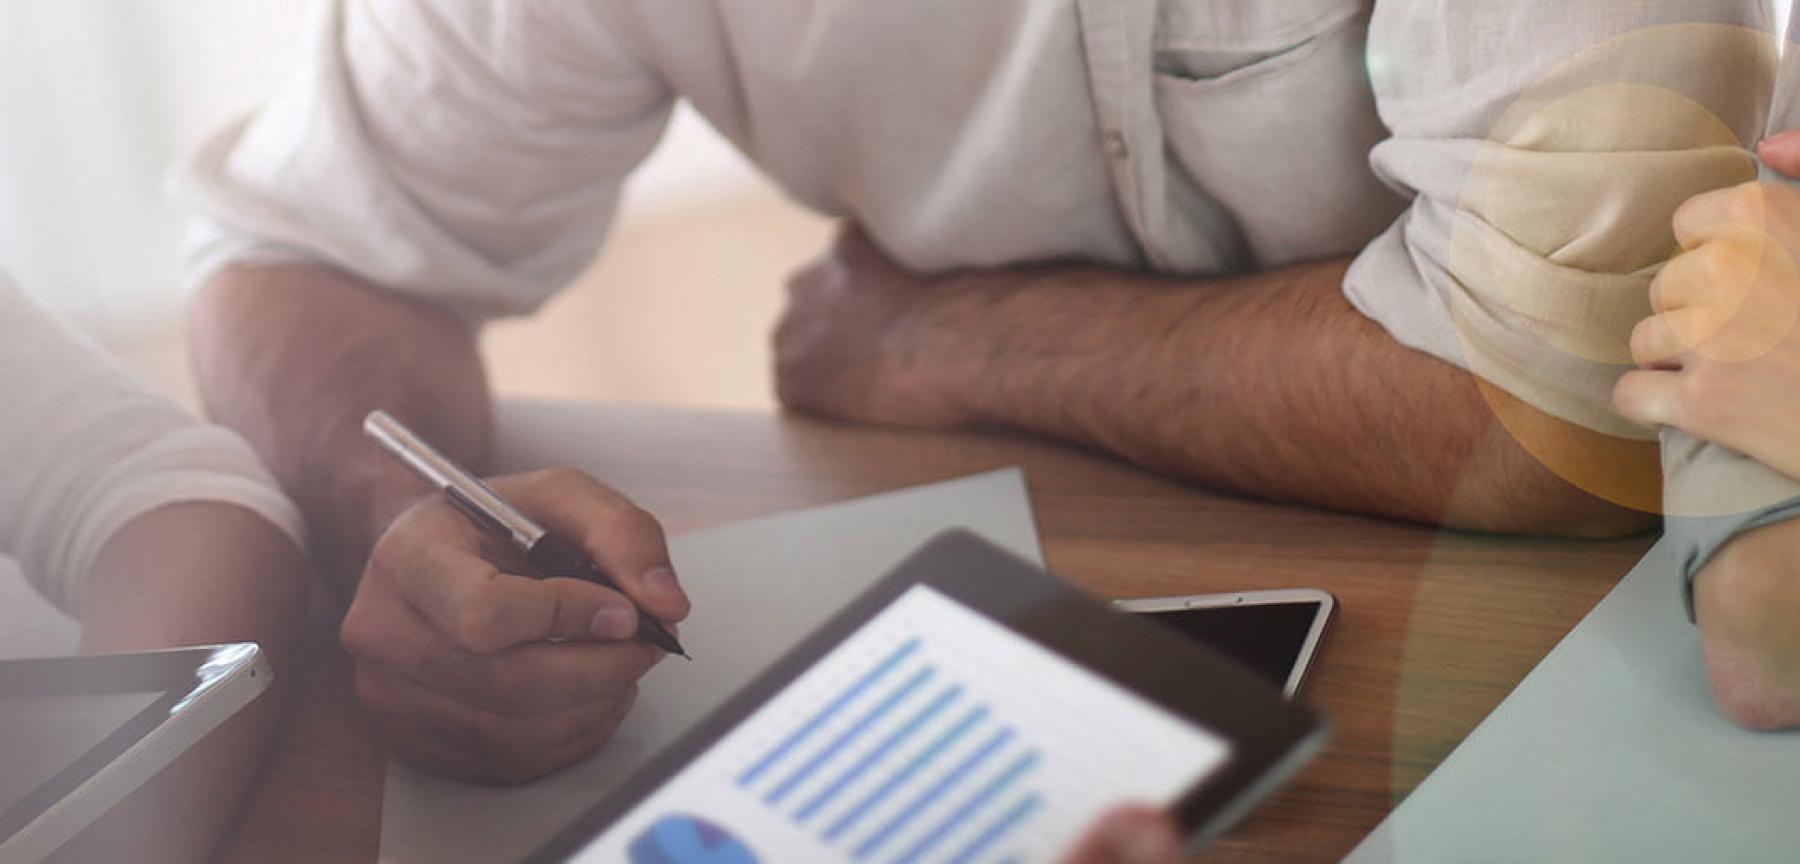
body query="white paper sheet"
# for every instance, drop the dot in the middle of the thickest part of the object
(1610, 750)
(758, 587)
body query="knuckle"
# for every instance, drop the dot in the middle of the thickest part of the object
(1743, 203)
(357, 632)
(1640, 341)
(1713, 263)
(636, 523)
(389, 546)
(563, 477)
(1665, 289)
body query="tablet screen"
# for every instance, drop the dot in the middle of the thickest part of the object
(931, 733)
(42, 734)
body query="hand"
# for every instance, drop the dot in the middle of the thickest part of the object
(1721, 355)
(1129, 835)
(852, 345)
(1720, 360)
(451, 642)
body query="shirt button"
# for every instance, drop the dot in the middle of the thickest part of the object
(1114, 145)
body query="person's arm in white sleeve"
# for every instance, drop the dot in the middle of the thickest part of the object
(1539, 231)
(430, 166)
(1719, 362)
(155, 530)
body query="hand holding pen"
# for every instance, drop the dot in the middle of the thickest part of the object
(474, 666)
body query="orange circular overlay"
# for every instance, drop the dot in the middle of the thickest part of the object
(1566, 220)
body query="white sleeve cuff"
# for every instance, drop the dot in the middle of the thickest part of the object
(201, 463)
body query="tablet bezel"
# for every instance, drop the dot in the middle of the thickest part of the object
(183, 675)
(1269, 737)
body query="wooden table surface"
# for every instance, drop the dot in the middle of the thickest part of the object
(1434, 628)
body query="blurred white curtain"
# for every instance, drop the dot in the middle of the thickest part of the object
(96, 99)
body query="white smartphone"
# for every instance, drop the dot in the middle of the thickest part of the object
(1277, 634)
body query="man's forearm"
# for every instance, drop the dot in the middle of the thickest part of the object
(294, 357)
(1271, 385)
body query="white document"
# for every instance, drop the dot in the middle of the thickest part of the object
(1610, 750)
(758, 587)
(930, 734)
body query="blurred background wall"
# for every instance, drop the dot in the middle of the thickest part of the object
(99, 97)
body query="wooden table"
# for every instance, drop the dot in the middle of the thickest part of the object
(1435, 628)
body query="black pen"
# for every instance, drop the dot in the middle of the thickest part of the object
(546, 554)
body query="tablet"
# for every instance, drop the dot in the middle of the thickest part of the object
(968, 707)
(78, 734)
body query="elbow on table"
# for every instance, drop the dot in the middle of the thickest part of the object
(1744, 599)
(1747, 696)
(1553, 512)
(1532, 472)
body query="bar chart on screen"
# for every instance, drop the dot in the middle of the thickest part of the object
(898, 764)
(932, 734)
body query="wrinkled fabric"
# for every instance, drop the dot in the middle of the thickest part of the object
(1504, 173)
(88, 450)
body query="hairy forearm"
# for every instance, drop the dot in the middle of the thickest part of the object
(294, 357)
(1270, 385)
(194, 574)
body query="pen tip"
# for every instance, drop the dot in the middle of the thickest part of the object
(686, 656)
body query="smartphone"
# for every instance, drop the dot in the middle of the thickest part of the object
(1277, 634)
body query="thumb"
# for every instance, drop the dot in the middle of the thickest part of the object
(1781, 152)
(514, 610)
(582, 610)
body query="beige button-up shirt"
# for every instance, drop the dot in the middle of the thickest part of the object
(1504, 172)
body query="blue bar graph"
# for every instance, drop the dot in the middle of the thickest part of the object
(969, 808)
(836, 705)
(856, 729)
(989, 835)
(897, 779)
(887, 745)
(931, 794)
(896, 768)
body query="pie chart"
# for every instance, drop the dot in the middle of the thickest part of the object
(687, 839)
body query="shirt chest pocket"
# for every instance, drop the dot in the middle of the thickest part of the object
(1266, 109)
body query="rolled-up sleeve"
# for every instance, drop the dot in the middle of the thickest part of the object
(469, 153)
(1714, 493)
(88, 450)
(1546, 147)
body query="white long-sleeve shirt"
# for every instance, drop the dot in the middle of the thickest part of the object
(86, 449)
(1504, 173)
